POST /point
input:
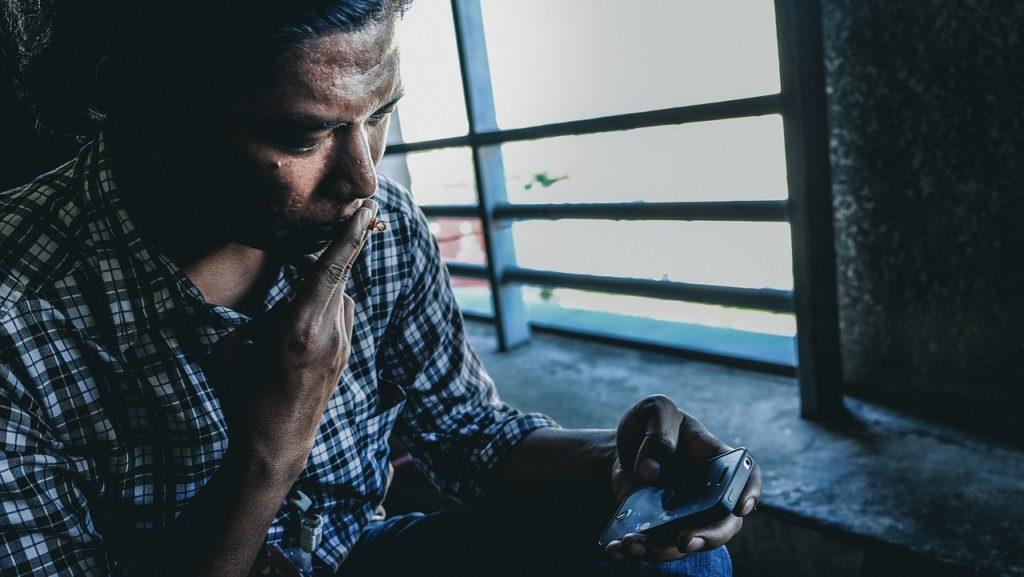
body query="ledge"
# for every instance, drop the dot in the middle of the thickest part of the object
(880, 493)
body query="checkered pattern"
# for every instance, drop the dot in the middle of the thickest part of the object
(109, 426)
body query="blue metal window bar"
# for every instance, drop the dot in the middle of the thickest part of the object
(808, 208)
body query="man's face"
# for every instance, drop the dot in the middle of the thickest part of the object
(301, 152)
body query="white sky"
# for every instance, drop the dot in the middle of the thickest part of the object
(557, 60)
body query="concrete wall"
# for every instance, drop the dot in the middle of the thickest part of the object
(926, 112)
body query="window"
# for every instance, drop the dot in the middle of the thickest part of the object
(608, 169)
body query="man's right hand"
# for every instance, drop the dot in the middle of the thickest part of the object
(274, 377)
(281, 371)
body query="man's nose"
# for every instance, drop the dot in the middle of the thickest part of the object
(352, 174)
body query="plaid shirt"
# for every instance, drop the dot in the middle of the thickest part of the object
(110, 428)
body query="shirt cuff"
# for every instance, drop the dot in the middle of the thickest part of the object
(508, 436)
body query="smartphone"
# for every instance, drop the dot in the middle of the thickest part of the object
(704, 495)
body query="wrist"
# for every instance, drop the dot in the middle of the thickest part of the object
(272, 447)
(265, 467)
(564, 456)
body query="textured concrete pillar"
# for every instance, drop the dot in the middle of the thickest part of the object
(926, 113)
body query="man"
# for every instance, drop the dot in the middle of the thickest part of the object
(195, 322)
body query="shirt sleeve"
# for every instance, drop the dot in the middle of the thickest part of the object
(453, 422)
(45, 525)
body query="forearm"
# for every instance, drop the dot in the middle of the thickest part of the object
(566, 457)
(223, 528)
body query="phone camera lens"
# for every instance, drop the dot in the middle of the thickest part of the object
(623, 514)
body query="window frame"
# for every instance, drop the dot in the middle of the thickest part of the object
(808, 209)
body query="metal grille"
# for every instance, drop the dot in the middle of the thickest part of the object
(808, 208)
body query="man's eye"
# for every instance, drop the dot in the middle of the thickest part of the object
(306, 146)
(380, 117)
(300, 142)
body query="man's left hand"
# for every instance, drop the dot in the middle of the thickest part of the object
(654, 440)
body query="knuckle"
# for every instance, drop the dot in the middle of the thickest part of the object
(730, 530)
(654, 403)
(335, 272)
(302, 339)
(658, 400)
(332, 339)
(356, 240)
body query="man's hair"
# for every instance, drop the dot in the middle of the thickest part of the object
(168, 55)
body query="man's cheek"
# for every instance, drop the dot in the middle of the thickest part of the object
(294, 189)
(378, 141)
(267, 176)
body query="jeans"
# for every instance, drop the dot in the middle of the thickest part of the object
(461, 544)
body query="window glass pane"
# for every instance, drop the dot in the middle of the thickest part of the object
(569, 59)
(461, 239)
(736, 159)
(433, 106)
(473, 295)
(394, 167)
(443, 176)
(749, 334)
(741, 254)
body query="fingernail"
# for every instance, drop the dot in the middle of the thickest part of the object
(748, 507)
(695, 544)
(648, 469)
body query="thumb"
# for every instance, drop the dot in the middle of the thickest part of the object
(647, 437)
(656, 449)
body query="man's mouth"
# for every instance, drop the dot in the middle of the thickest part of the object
(326, 231)
(309, 237)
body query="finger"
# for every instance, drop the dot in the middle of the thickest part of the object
(647, 436)
(614, 551)
(349, 316)
(336, 307)
(697, 443)
(341, 311)
(335, 264)
(709, 537)
(634, 546)
(751, 494)
(658, 446)
(662, 553)
(654, 552)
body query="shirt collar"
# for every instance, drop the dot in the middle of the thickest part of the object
(164, 287)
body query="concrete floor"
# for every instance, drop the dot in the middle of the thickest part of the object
(882, 493)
